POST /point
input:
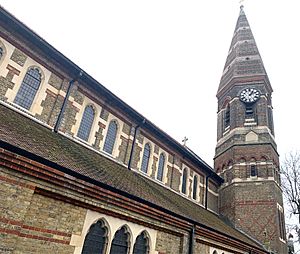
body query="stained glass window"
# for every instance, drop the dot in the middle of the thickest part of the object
(195, 187)
(145, 159)
(1, 52)
(96, 239)
(110, 137)
(161, 165)
(120, 243)
(184, 179)
(141, 245)
(86, 123)
(28, 88)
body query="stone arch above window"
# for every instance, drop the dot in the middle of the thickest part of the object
(184, 180)
(263, 158)
(29, 87)
(226, 102)
(86, 123)
(141, 245)
(96, 238)
(121, 241)
(215, 252)
(161, 166)
(146, 158)
(195, 187)
(111, 135)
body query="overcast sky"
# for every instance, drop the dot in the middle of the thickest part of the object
(165, 57)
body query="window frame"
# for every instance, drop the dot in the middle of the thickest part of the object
(195, 187)
(161, 167)
(184, 181)
(111, 138)
(145, 163)
(30, 85)
(85, 128)
(86, 247)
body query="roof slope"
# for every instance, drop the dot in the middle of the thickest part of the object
(16, 27)
(243, 56)
(21, 132)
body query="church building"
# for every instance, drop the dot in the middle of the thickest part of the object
(82, 172)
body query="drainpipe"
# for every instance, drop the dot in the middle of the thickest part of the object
(172, 173)
(63, 107)
(133, 142)
(191, 244)
(206, 190)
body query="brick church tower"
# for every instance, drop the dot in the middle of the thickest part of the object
(246, 153)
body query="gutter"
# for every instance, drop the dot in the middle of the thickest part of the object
(133, 142)
(191, 243)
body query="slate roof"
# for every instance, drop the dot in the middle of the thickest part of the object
(26, 134)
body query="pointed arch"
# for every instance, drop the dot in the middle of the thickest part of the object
(161, 165)
(96, 239)
(146, 158)
(86, 123)
(195, 187)
(184, 181)
(28, 88)
(110, 139)
(121, 241)
(141, 245)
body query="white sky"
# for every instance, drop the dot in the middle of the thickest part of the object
(165, 57)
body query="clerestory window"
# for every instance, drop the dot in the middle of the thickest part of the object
(161, 165)
(86, 123)
(28, 88)
(146, 158)
(110, 137)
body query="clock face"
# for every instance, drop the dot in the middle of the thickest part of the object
(249, 95)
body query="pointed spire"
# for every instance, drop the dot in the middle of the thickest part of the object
(243, 61)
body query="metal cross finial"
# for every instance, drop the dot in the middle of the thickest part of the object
(185, 139)
(241, 4)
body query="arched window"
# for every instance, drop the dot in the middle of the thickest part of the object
(86, 123)
(161, 165)
(1, 52)
(184, 179)
(120, 243)
(110, 137)
(141, 245)
(195, 187)
(28, 88)
(215, 252)
(145, 159)
(96, 239)
(253, 170)
(227, 116)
